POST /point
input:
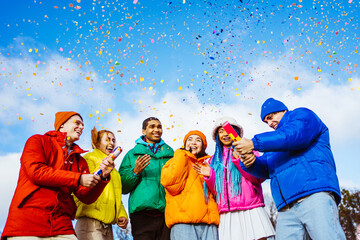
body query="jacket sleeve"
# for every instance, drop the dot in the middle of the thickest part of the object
(175, 172)
(122, 212)
(128, 177)
(300, 130)
(211, 180)
(89, 195)
(259, 169)
(36, 167)
(248, 176)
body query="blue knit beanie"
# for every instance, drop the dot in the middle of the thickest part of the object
(271, 105)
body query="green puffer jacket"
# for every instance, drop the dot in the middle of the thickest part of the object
(146, 192)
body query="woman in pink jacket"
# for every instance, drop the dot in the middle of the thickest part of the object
(238, 194)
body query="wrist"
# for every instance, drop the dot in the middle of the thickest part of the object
(136, 174)
(105, 179)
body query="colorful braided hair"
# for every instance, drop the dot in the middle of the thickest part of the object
(218, 166)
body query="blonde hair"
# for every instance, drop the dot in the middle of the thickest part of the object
(97, 135)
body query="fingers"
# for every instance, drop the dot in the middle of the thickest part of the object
(202, 170)
(122, 222)
(235, 154)
(141, 163)
(146, 163)
(248, 159)
(89, 180)
(143, 158)
(107, 165)
(197, 168)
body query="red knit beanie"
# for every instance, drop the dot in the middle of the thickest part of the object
(62, 117)
(200, 134)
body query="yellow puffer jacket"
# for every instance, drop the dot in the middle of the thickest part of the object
(103, 209)
(185, 200)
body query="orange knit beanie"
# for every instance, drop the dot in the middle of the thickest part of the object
(62, 117)
(200, 134)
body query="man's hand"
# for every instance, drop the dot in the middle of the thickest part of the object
(248, 159)
(123, 222)
(141, 163)
(244, 146)
(89, 180)
(201, 169)
(107, 165)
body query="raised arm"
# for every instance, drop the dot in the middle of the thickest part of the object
(258, 169)
(38, 170)
(89, 195)
(298, 132)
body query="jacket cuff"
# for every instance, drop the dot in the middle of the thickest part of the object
(209, 177)
(106, 180)
(136, 175)
(255, 143)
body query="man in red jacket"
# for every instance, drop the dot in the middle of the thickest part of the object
(51, 171)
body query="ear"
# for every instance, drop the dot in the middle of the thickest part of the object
(143, 131)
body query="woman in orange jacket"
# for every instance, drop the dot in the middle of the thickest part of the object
(188, 213)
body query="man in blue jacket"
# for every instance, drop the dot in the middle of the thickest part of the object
(298, 160)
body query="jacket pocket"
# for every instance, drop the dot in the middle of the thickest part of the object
(23, 199)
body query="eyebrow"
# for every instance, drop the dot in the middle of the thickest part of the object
(153, 125)
(78, 121)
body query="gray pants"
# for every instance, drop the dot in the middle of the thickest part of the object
(92, 229)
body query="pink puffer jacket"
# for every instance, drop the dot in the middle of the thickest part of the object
(251, 192)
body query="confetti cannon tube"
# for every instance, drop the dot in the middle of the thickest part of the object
(115, 153)
(234, 136)
(231, 131)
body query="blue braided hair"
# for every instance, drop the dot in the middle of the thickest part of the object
(218, 166)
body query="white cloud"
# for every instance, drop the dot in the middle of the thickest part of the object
(37, 91)
(10, 165)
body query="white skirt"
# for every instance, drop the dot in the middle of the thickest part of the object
(246, 225)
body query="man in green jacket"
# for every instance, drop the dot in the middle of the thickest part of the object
(140, 173)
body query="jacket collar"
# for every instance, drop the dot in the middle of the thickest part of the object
(140, 140)
(283, 119)
(193, 157)
(99, 153)
(153, 147)
(60, 138)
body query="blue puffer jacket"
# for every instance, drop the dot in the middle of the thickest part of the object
(297, 158)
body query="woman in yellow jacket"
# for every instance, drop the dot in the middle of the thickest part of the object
(95, 221)
(188, 213)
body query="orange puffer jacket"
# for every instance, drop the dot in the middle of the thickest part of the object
(43, 205)
(185, 200)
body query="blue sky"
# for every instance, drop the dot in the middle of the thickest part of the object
(186, 62)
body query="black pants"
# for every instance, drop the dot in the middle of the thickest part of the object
(149, 225)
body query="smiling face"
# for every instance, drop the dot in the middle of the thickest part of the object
(153, 131)
(73, 128)
(107, 143)
(194, 144)
(224, 137)
(273, 119)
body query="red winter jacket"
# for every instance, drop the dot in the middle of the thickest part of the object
(42, 204)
